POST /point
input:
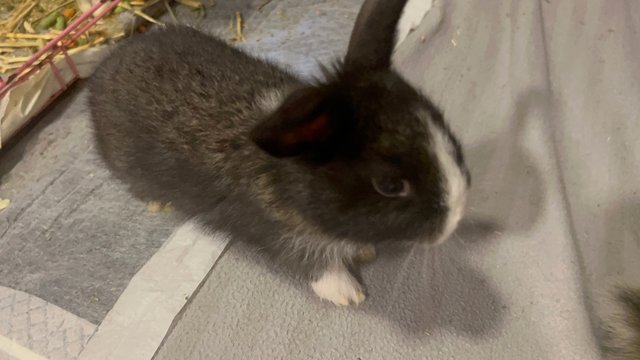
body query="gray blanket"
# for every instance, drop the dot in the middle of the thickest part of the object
(544, 95)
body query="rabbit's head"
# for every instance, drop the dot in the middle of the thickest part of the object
(381, 163)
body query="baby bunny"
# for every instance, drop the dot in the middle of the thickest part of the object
(315, 174)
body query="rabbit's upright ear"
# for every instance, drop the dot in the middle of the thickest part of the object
(374, 34)
(311, 122)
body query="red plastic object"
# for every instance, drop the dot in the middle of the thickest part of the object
(59, 45)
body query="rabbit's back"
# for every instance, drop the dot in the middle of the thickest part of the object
(173, 108)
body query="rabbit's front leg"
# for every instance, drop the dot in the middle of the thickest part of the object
(337, 285)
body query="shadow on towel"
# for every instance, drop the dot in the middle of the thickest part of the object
(507, 186)
(426, 290)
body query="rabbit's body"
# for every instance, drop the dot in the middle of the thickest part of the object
(179, 137)
(194, 114)
(314, 173)
(621, 324)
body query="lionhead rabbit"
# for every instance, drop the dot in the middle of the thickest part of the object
(315, 174)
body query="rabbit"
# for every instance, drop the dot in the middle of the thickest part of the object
(315, 174)
(620, 323)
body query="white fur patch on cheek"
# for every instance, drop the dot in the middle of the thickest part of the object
(338, 286)
(455, 181)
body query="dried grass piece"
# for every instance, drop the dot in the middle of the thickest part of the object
(4, 203)
(20, 44)
(170, 11)
(14, 59)
(140, 13)
(17, 16)
(194, 4)
(239, 36)
(28, 36)
(7, 68)
(149, 4)
(27, 26)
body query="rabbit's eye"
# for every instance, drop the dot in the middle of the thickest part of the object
(392, 187)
